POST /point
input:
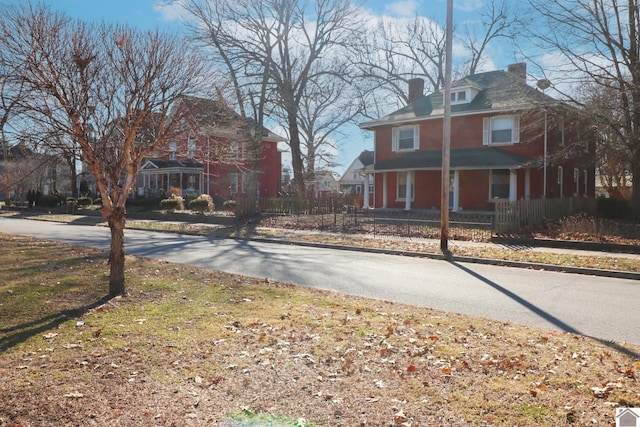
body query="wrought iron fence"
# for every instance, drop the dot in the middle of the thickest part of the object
(419, 224)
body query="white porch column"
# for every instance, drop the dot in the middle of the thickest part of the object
(527, 184)
(366, 192)
(513, 185)
(407, 199)
(384, 190)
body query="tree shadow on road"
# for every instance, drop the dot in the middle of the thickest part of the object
(545, 315)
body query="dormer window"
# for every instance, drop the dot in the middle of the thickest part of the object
(459, 97)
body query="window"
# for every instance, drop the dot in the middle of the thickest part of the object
(500, 183)
(401, 184)
(244, 178)
(585, 175)
(173, 147)
(460, 96)
(501, 130)
(560, 180)
(405, 138)
(235, 149)
(191, 146)
(233, 183)
(576, 181)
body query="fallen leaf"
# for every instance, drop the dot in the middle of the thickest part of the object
(74, 395)
(411, 368)
(400, 417)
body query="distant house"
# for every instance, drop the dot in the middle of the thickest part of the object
(354, 180)
(501, 129)
(22, 169)
(209, 154)
(323, 184)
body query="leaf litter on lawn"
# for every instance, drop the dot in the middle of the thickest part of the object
(197, 347)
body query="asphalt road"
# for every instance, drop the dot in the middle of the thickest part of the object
(604, 308)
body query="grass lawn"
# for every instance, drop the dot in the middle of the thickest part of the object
(197, 347)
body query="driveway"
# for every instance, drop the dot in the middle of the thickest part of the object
(600, 307)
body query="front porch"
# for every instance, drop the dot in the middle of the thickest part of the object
(158, 177)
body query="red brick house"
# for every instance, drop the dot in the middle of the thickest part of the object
(501, 129)
(209, 154)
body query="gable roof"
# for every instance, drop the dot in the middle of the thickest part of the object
(498, 91)
(171, 164)
(466, 158)
(366, 157)
(17, 151)
(214, 117)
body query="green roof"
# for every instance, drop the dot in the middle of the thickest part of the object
(498, 90)
(468, 158)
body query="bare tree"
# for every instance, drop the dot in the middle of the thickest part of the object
(106, 87)
(271, 50)
(595, 43)
(395, 51)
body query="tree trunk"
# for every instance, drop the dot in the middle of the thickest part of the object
(635, 191)
(74, 177)
(116, 255)
(296, 157)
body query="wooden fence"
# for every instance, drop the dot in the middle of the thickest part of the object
(510, 216)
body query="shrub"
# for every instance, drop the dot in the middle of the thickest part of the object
(49, 201)
(172, 204)
(614, 208)
(230, 205)
(97, 201)
(84, 201)
(175, 192)
(203, 203)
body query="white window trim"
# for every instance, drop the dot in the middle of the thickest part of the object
(235, 149)
(515, 130)
(585, 176)
(561, 181)
(511, 184)
(576, 181)
(395, 139)
(173, 148)
(404, 181)
(233, 183)
(191, 146)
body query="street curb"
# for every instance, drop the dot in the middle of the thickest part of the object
(485, 261)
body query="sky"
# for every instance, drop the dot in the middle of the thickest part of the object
(150, 14)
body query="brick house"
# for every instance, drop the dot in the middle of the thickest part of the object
(501, 129)
(208, 154)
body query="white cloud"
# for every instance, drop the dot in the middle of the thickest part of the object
(402, 8)
(171, 11)
(468, 5)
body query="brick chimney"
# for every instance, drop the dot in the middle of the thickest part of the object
(519, 70)
(416, 89)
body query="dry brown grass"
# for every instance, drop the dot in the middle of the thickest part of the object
(198, 347)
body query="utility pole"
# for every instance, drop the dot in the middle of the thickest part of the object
(446, 137)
